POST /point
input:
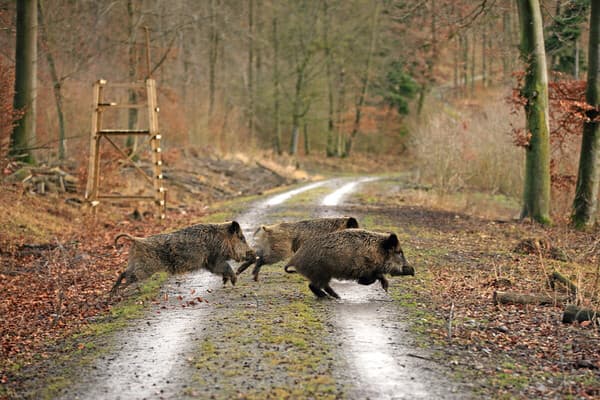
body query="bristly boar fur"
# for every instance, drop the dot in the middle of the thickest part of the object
(353, 254)
(207, 246)
(274, 243)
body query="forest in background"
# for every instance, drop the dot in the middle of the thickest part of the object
(432, 81)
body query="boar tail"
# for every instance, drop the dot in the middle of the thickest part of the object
(289, 271)
(119, 236)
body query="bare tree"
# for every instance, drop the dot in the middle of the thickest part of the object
(24, 132)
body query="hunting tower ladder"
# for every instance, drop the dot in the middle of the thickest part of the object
(92, 192)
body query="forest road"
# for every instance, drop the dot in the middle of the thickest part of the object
(205, 340)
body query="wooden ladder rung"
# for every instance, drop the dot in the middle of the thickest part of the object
(119, 197)
(123, 132)
(115, 105)
(92, 194)
(127, 85)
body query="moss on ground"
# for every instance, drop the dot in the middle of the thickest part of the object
(288, 355)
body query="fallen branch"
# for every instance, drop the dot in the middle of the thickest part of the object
(521, 298)
(558, 277)
(573, 313)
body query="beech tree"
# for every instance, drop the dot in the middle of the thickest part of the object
(536, 194)
(23, 134)
(586, 195)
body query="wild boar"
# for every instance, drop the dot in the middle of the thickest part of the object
(274, 243)
(353, 254)
(207, 246)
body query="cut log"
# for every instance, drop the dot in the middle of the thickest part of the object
(521, 298)
(573, 313)
(558, 277)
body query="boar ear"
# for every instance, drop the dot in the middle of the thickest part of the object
(390, 242)
(234, 228)
(352, 223)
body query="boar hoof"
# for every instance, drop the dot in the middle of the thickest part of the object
(384, 283)
(331, 292)
(317, 291)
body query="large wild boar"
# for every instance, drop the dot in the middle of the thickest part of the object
(274, 243)
(207, 246)
(353, 254)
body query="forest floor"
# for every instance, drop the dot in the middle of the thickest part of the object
(272, 339)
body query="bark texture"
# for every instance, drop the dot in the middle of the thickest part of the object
(536, 197)
(586, 195)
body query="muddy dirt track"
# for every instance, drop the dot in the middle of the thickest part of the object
(272, 338)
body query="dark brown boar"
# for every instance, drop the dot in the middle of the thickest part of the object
(207, 246)
(353, 254)
(274, 243)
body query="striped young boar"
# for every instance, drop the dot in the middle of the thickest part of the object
(353, 254)
(274, 243)
(207, 246)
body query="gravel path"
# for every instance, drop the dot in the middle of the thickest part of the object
(270, 339)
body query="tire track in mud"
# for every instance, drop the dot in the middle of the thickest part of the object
(150, 359)
(382, 361)
(153, 358)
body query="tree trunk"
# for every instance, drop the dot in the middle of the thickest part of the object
(298, 107)
(330, 149)
(212, 58)
(535, 91)
(484, 42)
(576, 62)
(553, 56)
(251, 69)
(295, 134)
(133, 61)
(306, 139)
(456, 52)
(506, 50)
(365, 80)
(276, 78)
(586, 193)
(465, 64)
(24, 132)
(56, 85)
(473, 48)
(340, 142)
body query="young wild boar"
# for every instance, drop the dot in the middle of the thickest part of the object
(353, 254)
(274, 243)
(198, 246)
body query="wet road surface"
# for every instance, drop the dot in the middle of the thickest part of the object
(152, 358)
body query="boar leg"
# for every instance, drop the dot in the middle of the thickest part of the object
(316, 290)
(259, 263)
(224, 269)
(384, 283)
(245, 265)
(331, 292)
